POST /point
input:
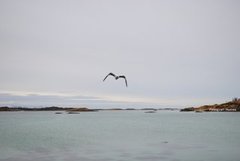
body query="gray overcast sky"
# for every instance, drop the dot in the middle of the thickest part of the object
(174, 53)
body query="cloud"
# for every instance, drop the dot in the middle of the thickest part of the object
(34, 99)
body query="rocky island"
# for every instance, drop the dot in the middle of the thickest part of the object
(231, 106)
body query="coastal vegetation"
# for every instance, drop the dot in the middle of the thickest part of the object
(231, 106)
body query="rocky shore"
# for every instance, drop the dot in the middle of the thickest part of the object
(231, 106)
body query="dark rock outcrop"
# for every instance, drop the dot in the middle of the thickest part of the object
(187, 109)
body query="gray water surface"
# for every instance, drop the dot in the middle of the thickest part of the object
(119, 136)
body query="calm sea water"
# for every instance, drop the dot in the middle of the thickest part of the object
(119, 136)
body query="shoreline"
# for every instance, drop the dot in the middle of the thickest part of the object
(81, 109)
(231, 106)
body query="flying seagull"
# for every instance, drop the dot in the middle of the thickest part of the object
(117, 77)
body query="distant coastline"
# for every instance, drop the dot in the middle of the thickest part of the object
(80, 109)
(231, 106)
(52, 108)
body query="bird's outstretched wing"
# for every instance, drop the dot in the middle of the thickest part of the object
(122, 76)
(108, 75)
